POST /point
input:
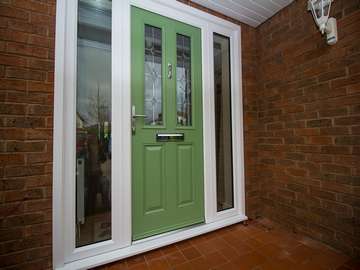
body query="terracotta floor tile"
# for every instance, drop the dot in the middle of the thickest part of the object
(121, 265)
(191, 253)
(199, 263)
(169, 249)
(223, 232)
(158, 264)
(250, 260)
(183, 266)
(286, 241)
(227, 266)
(242, 248)
(239, 247)
(198, 240)
(229, 253)
(252, 230)
(211, 235)
(205, 248)
(276, 264)
(272, 251)
(313, 244)
(184, 244)
(135, 260)
(329, 259)
(230, 228)
(255, 244)
(216, 259)
(241, 226)
(155, 254)
(218, 243)
(139, 266)
(302, 254)
(175, 258)
(265, 237)
(236, 236)
(311, 266)
(344, 267)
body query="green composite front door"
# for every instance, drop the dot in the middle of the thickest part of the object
(167, 154)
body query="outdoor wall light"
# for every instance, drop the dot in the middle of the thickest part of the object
(320, 10)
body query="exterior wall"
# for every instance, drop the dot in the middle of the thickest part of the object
(26, 108)
(309, 124)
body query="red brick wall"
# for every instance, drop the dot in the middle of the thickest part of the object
(309, 124)
(250, 78)
(26, 107)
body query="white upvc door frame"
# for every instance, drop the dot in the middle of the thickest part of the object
(65, 255)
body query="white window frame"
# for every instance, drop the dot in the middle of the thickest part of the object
(65, 255)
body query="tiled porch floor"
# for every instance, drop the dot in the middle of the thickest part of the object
(257, 246)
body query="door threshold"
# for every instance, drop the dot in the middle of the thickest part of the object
(150, 243)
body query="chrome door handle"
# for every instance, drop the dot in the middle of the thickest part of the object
(133, 113)
(133, 118)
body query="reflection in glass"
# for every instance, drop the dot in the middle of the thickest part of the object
(93, 123)
(153, 77)
(224, 168)
(183, 80)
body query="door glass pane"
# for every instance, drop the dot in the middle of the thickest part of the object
(93, 123)
(224, 168)
(153, 76)
(183, 80)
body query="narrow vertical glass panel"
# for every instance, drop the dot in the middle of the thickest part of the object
(224, 164)
(183, 80)
(93, 123)
(153, 76)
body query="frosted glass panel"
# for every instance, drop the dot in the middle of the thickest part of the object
(93, 123)
(183, 80)
(153, 76)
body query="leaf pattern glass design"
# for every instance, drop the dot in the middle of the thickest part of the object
(153, 76)
(183, 80)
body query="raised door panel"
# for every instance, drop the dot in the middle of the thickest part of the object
(184, 178)
(154, 179)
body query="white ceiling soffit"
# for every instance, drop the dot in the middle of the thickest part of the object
(252, 12)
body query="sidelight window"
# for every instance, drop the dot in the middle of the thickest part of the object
(223, 127)
(93, 123)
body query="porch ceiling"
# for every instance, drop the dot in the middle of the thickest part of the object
(252, 12)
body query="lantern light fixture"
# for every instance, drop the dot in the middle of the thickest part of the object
(320, 10)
